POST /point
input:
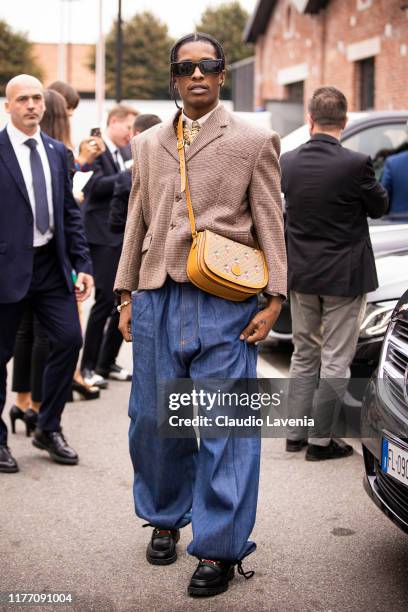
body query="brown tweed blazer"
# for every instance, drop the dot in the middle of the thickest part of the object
(234, 178)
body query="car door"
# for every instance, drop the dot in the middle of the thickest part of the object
(379, 140)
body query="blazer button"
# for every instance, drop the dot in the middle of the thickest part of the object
(172, 226)
(178, 197)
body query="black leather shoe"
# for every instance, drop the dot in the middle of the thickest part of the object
(161, 549)
(213, 577)
(333, 451)
(55, 443)
(294, 446)
(8, 464)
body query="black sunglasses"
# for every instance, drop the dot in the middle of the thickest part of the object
(187, 68)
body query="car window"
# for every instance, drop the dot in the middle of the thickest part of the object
(378, 141)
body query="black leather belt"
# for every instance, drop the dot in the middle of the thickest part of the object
(45, 248)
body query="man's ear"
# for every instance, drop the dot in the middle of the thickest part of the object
(7, 106)
(222, 78)
(310, 123)
(346, 122)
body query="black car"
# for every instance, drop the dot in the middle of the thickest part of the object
(384, 422)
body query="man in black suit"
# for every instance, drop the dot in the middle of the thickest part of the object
(329, 192)
(119, 204)
(101, 349)
(41, 242)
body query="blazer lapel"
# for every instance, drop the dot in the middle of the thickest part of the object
(167, 136)
(110, 160)
(10, 159)
(53, 161)
(212, 129)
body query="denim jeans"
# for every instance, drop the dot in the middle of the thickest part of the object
(181, 332)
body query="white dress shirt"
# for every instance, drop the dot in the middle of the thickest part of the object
(201, 120)
(115, 152)
(22, 152)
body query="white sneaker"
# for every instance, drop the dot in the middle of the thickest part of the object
(116, 372)
(94, 380)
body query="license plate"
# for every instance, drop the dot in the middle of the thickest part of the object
(394, 461)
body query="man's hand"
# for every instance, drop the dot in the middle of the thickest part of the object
(90, 149)
(83, 286)
(262, 322)
(125, 318)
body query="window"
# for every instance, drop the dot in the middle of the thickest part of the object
(366, 83)
(363, 4)
(378, 141)
(289, 22)
(294, 92)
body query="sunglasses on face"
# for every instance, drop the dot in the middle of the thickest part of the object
(187, 68)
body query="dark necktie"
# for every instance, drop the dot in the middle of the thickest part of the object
(42, 215)
(116, 158)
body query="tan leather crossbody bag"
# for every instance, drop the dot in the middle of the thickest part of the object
(215, 264)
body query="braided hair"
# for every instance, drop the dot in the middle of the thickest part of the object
(194, 37)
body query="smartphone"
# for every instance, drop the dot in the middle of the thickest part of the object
(96, 132)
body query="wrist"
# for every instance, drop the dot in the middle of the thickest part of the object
(82, 165)
(274, 302)
(125, 296)
(124, 304)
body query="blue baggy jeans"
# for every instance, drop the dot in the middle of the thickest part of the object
(181, 332)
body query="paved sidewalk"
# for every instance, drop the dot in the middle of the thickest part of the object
(322, 545)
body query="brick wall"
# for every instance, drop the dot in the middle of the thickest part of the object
(323, 49)
(76, 58)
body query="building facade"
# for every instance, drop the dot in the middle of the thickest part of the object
(75, 64)
(359, 46)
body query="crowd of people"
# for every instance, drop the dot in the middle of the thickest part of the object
(55, 249)
(103, 203)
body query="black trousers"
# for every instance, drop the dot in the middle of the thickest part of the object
(101, 346)
(30, 356)
(57, 312)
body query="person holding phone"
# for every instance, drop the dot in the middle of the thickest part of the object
(102, 347)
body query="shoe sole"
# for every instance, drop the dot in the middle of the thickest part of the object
(208, 591)
(56, 458)
(310, 458)
(296, 450)
(13, 470)
(197, 592)
(168, 561)
(116, 377)
(101, 385)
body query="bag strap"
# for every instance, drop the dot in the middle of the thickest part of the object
(183, 175)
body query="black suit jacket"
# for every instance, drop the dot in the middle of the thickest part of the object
(119, 203)
(16, 222)
(98, 194)
(329, 192)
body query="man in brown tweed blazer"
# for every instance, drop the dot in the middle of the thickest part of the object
(178, 331)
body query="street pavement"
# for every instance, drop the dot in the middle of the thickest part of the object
(322, 544)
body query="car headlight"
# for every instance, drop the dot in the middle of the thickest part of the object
(377, 318)
(384, 350)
